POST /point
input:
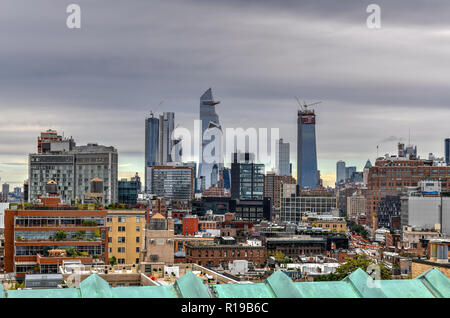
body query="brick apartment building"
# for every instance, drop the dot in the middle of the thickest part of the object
(389, 176)
(298, 245)
(238, 229)
(272, 187)
(222, 252)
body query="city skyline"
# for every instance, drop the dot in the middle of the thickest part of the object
(77, 83)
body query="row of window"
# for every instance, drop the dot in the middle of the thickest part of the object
(122, 249)
(121, 239)
(122, 219)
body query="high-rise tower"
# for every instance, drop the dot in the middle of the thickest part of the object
(447, 151)
(282, 164)
(151, 143)
(166, 127)
(340, 172)
(210, 122)
(307, 175)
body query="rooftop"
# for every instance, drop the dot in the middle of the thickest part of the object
(431, 284)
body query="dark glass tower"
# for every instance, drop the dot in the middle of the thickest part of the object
(247, 177)
(307, 175)
(151, 143)
(447, 151)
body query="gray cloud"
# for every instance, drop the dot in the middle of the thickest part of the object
(97, 83)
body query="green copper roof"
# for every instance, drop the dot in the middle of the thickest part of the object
(405, 288)
(358, 284)
(45, 293)
(259, 290)
(282, 285)
(95, 287)
(436, 282)
(364, 284)
(191, 286)
(145, 292)
(329, 290)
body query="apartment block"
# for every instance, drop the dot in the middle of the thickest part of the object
(73, 167)
(125, 235)
(38, 240)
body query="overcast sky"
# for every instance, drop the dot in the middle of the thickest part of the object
(99, 82)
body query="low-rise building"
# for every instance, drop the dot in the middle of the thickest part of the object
(437, 257)
(222, 252)
(159, 241)
(297, 245)
(329, 222)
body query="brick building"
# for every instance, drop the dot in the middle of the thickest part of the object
(297, 245)
(190, 225)
(159, 241)
(39, 239)
(390, 175)
(240, 230)
(272, 188)
(222, 252)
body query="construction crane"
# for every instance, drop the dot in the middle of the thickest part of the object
(157, 107)
(304, 106)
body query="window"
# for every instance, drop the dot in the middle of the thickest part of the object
(121, 261)
(138, 219)
(121, 239)
(121, 249)
(138, 228)
(109, 239)
(109, 219)
(121, 228)
(138, 239)
(137, 260)
(137, 249)
(121, 219)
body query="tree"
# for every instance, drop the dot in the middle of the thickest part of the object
(112, 261)
(352, 264)
(278, 255)
(358, 229)
(60, 235)
(80, 234)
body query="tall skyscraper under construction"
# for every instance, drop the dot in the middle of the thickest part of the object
(307, 175)
(210, 122)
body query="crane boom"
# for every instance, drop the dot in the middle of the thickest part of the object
(304, 106)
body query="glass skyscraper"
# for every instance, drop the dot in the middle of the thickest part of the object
(247, 177)
(340, 172)
(307, 175)
(151, 143)
(166, 127)
(210, 120)
(447, 151)
(171, 182)
(282, 164)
